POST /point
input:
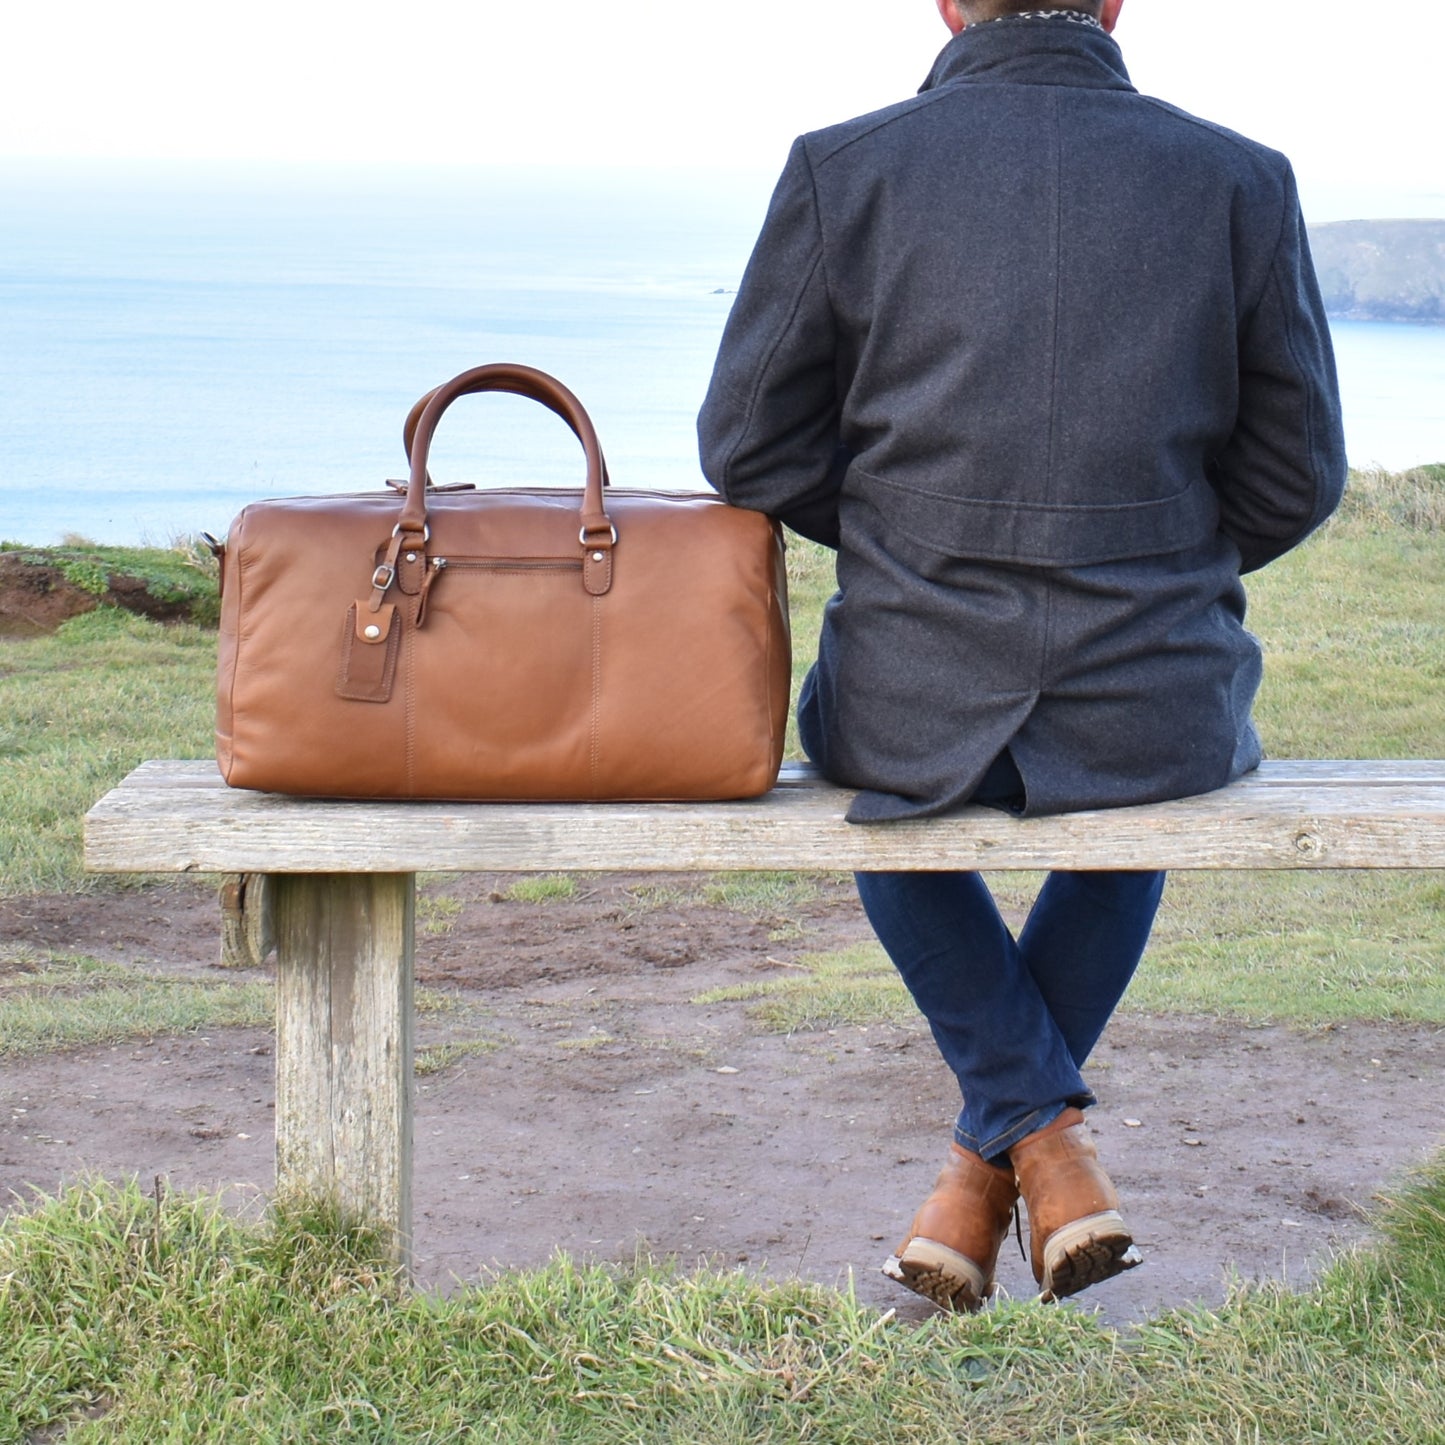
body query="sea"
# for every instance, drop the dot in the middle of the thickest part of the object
(178, 339)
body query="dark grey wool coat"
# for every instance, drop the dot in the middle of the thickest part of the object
(1045, 360)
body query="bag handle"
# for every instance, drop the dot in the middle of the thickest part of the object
(597, 534)
(413, 417)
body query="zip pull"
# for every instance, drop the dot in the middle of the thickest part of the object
(433, 571)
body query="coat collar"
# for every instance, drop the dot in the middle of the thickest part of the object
(1018, 50)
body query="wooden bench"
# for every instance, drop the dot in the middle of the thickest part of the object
(341, 895)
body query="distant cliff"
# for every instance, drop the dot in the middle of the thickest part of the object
(1381, 270)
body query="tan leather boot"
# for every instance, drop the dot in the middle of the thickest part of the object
(1076, 1234)
(952, 1245)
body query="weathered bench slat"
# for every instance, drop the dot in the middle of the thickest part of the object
(1327, 772)
(179, 817)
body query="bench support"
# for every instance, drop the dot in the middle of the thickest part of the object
(344, 1044)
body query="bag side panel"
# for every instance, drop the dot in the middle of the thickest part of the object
(694, 655)
(301, 564)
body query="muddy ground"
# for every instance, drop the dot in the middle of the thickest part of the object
(615, 1112)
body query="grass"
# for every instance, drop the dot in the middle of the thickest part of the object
(1413, 501)
(185, 572)
(1303, 948)
(585, 1043)
(51, 1001)
(810, 584)
(438, 1058)
(436, 913)
(772, 898)
(1306, 948)
(1353, 626)
(79, 710)
(543, 888)
(761, 894)
(856, 985)
(136, 1320)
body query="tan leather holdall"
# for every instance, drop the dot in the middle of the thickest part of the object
(539, 644)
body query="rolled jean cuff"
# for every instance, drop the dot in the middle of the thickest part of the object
(992, 1149)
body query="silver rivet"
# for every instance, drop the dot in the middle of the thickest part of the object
(411, 556)
(373, 631)
(597, 556)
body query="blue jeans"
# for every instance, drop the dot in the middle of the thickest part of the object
(1014, 1019)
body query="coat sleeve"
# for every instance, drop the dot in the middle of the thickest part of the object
(768, 433)
(1283, 470)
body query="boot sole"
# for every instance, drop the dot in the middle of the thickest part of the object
(1086, 1252)
(949, 1279)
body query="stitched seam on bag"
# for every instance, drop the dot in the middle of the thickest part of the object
(769, 608)
(343, 667)
(233, 682)
(596, 721)
(410, 669)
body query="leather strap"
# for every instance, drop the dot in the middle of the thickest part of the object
(409, 432)
(595, 531)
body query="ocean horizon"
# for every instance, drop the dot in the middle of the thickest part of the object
(179, 340)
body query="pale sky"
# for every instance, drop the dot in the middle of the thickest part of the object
(643, 82)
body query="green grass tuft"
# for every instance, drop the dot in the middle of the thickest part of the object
(437, 913)
(184, 572)
(54, 1001)
(438, 1058)
(762, 894)
(856, 985)
(139, 1319)
(544, 888)
(1413, 500)
(1302, 947)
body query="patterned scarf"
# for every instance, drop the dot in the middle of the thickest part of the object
(1077, 16)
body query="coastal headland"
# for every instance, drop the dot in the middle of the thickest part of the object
(1381, 270)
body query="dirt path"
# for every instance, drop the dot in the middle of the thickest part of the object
(614, 1112)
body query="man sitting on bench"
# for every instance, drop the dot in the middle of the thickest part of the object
(1045, 361)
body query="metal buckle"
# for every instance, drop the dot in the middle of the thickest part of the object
(425, 531)
(582, 537)
(383, 577)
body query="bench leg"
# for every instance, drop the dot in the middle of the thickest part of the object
(344, 1044)
(246, 932)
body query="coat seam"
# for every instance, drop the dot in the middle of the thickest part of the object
(762, 372)
(1077, 509)
(1058, 248)
(1308, 420)
(1271, 275)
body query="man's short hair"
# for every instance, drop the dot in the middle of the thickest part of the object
(975, 11)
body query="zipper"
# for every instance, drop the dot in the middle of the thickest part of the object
(506, 564)
(437, 565)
